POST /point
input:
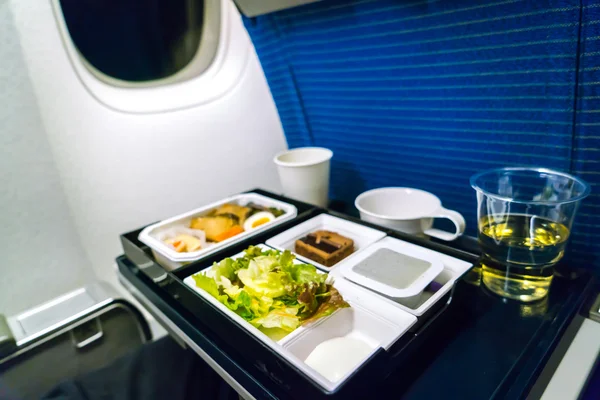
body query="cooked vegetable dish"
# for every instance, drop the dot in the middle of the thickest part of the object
(183, 243)
(231, 219)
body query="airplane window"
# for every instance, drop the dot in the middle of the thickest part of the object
(135, 41)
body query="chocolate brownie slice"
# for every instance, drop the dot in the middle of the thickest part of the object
(325, 247)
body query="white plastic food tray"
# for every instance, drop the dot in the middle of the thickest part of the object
(408, 296)
(171, 259)
(453, 268)
(370, 318)
(362, 236)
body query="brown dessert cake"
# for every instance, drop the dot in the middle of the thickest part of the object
(325, 247)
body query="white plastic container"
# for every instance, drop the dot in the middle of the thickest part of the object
(362, 236)
(304, 174)
(371, 320)
(170, 259)
(453, 268)
(407, 210)
(393, 270)
(366, 330)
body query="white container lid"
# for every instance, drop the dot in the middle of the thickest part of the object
(392, 269)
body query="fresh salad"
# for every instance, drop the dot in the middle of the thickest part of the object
(270, 291)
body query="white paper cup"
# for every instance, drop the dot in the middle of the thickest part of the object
(304, 174)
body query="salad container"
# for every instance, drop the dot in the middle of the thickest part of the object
(154, 236)
(329, 349)
(362, 236)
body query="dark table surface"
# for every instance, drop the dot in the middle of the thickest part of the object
(496, 348)
(491, 348)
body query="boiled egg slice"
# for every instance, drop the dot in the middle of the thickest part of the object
(258, 219)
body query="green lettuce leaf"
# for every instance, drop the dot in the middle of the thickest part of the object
(286, 260)
(288, 301)
(252, 252)
(261, 305)
(229, 266)
(225, 268)
(305, 273)
(230, 289)
(242, 305)
(262, 279)
(333, 301)
(284, 318)
(209, 285)
(307, 298)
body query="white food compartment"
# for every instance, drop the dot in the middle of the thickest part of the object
(426, 292)
(399, 273)
(370, 323)
(153, 236)
(362, 236)
(333, 348)
(337, 346)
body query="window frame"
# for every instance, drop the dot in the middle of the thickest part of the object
(215, 68)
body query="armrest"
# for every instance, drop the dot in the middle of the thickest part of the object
(595, 310)
(7, 340)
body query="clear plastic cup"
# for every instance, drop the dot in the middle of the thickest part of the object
(524, 220)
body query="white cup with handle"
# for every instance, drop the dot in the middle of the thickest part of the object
(304, 174)
(407, 210)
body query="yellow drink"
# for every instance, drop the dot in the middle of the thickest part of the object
(519, 252)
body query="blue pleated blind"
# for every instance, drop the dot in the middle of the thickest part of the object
(585, 159)
(426, 93)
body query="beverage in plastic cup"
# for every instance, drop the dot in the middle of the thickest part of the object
(524, 218)
(304, 174)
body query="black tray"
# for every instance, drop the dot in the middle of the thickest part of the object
(245, 357)
(479, 347)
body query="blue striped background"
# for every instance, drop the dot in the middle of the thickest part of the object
(426, 93)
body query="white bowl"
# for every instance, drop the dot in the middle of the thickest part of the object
(408, 210)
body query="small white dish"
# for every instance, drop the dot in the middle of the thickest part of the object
(453, 268)
(407, 210)
(394, 271)
(362, 236)
(358, 326)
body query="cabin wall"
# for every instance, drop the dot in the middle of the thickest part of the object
(42, 256)
(120, 171)
(426, 93)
